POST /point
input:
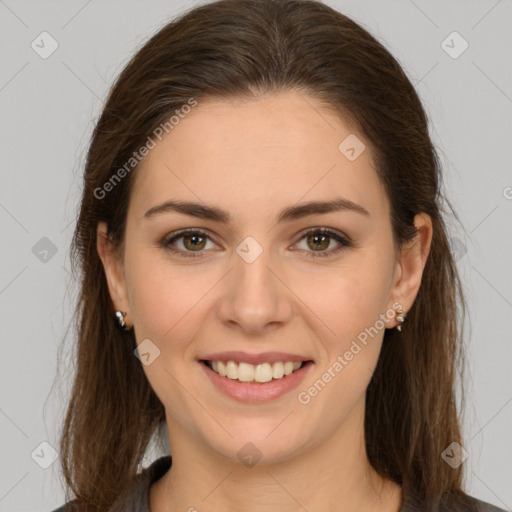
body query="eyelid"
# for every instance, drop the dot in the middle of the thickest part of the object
(327, 231)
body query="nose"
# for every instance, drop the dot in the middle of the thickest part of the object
(255, 297)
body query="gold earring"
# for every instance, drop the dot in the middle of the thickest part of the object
(400, 318)
(120, 320)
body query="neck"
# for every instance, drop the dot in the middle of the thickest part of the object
(334, 475)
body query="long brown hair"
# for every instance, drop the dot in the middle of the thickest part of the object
(234, 48)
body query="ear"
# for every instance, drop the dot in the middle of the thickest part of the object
(411, 263)
(114, 270)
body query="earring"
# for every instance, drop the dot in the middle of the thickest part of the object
(120, 319)
(400, 318)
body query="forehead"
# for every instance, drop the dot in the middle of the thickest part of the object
(256, 155)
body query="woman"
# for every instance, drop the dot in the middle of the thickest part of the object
(265, 271)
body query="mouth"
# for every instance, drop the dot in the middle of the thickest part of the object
(253, 384)
(253, 374)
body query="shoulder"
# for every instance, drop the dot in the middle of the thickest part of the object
(459, 502)
(70, 506)
(136, 495)
(470, 504)
(483, 506)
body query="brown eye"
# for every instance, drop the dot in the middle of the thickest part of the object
(319, 239)
(318, 242)
(194, 241)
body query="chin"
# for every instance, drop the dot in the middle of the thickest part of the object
(262, 446)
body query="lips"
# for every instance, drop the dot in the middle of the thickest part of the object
(256, 392)
(254, 359)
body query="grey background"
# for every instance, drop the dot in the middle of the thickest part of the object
(48, 109)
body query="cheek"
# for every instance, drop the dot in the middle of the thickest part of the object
(165, 305)
(348, 315)
(160, 295)
(344, 302)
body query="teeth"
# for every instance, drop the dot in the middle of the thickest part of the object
(245, 372)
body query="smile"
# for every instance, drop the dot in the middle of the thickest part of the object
(246, 372)
(263, 382)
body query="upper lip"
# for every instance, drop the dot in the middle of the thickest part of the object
(245, 357)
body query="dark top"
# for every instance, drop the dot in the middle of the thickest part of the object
(136, 498)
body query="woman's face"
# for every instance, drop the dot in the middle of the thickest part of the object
(250, 282)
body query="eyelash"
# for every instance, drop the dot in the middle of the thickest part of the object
(344, 242)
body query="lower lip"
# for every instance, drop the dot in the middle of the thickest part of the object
(254, 392)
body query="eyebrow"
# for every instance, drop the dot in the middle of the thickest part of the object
(294, 212)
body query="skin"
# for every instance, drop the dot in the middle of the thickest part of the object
(253, 159)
